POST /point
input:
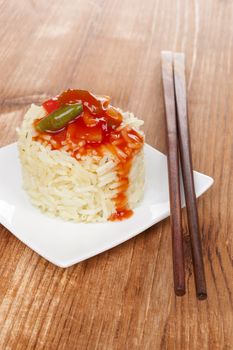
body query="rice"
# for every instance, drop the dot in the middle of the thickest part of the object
(80, 189)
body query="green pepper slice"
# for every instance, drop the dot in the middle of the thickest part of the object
(58, 119)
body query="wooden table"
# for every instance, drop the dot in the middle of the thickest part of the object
(123, 298)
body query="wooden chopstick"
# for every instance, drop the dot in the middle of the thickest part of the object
(173, 172)
(187, 172)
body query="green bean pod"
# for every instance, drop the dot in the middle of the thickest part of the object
(58, 119)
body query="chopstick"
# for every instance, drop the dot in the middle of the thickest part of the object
(187, 172)
(178, 139)
(173, 172)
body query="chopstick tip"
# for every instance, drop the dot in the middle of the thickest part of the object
(180, 292)
(202, 296)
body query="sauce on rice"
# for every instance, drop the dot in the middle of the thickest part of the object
(97, 130)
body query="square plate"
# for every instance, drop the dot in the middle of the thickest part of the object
(67, 243)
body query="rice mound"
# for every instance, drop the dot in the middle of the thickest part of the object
(80, 190)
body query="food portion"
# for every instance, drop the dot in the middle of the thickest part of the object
(82, 159)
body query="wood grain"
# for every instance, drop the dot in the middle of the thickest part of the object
(114, 300)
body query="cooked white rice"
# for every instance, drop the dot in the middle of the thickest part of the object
(80, 190)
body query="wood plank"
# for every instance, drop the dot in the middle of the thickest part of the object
(114, 300)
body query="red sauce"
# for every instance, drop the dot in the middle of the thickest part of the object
(97, 130)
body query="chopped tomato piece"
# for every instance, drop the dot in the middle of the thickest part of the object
(51, 105)
(59, 136)
(114, 116)
(89, 119)
(91, 100)
(78, 131)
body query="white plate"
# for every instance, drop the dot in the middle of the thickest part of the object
(66, 243)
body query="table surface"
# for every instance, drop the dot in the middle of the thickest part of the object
(123, 298)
